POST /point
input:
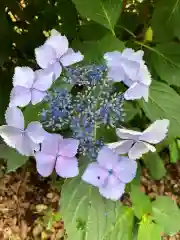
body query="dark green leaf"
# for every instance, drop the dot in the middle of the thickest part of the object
(140, 202)
(173, 152)
(89, 216)
(163, 102)
(104, 12)
(155, 165)
(166, 61)
(130, 111)
(14, 159)
(167, 214)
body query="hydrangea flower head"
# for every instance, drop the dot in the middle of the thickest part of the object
(29, 86)
(55, 53)
(137, 143)
(110, 173)
(130, 68)
(58, 153)
(25, 141)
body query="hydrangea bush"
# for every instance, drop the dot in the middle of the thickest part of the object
(72, 116)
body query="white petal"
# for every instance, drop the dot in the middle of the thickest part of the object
(116, 74)
(139, 149)
(36, 132)
(113, 58)
(20, 96)
(156, 132)
(137, 91)
(37, 96)
(124, 133)
(43, 80)
(59, 43)
(130, 54)
(45, 56)
(14, 117)
(71, 57)
(24, 146)
(23, 76)
(121, 147)
(10, 135)
(54, 32)
(56, 69)
(144, 75)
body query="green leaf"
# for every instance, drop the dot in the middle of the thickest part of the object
(94, 50)
(130, 111)
(165, 20)
(140, 202)
(87, 215)
(166, 213)
(149, 230)
(163, 102)
(14, 159)
(155, 165)
(173, 152)
(166, 61)
(104, 12)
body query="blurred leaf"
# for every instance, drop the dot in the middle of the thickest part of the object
(174, 152)
(95, 50)
(140, 202)
(163, 102)
(104, 12)
(14, 159)
(130, 111)
(149, 230)
(149, 34)
(165, 20)
(155, 165)
(166, 61)
(87, 215)
(167, 214)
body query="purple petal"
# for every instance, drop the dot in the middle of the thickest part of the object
(137, 91)
(71, 57)
(156, 132)
(43, 80)
(24, 77)
(10, 135)
(67, 167)
(107, 158)
(121, 147)
(20, 96)
(45, 56)
(50, 144)
(113, 192)
(126, 169)
(44, 163)
(14, 117)
(139, 149)
(68, 147)
(95, 175)
(37, 96)
(59, 43)
(36, 132)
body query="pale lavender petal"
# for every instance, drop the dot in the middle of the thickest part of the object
(126, 169)
(71, 57)
(124, 133)
(14, 117)
(45, 56)
(121, 147)
(127, 81)
(24, 146)
(113, 58)
(116, 74)
(10, 135)
(56, 69)
(43, 80)
(139, 149)
(156, 132)
(113, 192)
(44, 163)
(107, 158)
(137, 91)
(59, 43)
(130, 54)
(23, 76)
(36, 132)
(67, 167)
(68, 147)
(50, 144)
(144, 75)
(37, 96)
(95, 175)
(130, 68)
(20, 96)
